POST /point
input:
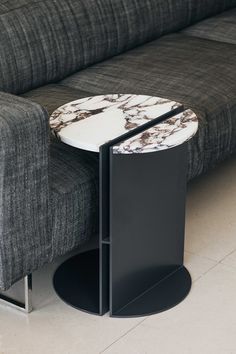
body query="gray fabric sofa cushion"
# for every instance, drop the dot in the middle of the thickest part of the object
(46, 40)
(73, 180)
(48, 192)
(199, 73)
(218, 28)
(25, 240)
(73, 197)
(53, 96)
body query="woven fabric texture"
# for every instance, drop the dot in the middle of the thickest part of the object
(53, 96)
(74, 208)
(218, 28)
(45, 41)
(196, 72)
(48, 192)
(24, 188)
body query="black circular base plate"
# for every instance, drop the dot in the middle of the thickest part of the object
(76, 282)
(166, 294)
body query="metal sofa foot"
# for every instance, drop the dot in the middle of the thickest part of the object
(27, 305)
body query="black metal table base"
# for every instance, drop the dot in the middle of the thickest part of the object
(77, 283)
(161, 297)
(138, 269)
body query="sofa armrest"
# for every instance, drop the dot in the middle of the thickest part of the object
(24, 195)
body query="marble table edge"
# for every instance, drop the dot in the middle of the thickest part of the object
(70, 124)
(165, 135)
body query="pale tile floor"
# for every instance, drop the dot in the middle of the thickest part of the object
(204, 323)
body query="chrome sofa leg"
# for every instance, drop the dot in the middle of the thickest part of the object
(28, 293)
(27, 305)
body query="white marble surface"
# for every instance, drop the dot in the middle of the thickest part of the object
(90, 122)
(166, 135)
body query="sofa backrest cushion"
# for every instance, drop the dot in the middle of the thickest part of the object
(43, 41)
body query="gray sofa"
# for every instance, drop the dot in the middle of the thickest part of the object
(56, 51)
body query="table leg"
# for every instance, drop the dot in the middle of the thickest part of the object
(147, 221)
(138, 268)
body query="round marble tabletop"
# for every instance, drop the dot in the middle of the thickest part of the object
(91, 122)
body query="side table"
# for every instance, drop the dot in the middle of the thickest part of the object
(142, 145)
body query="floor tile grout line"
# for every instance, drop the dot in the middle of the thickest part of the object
(201, 276)
(230, 266)
(229, 254)
(199, 255)
(204, 273)
(123, 335)
(140, 323)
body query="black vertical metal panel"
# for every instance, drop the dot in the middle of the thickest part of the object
(147, 221)
(103, 230)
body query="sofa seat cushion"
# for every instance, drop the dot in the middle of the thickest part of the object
(74, 197)
(53, 96)
(218, 28)
(198, 73)
(73, 178)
